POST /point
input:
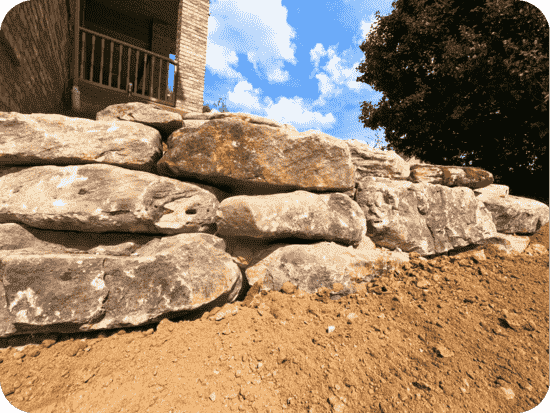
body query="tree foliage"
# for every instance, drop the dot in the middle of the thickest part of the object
(463, 78)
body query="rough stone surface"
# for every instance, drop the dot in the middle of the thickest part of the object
(423, 218)
(451, 175)
(311, 267)
(105, 198)
(492, 191)
(40, 139)
(298, 214)
(374, 162)
(164, 121)
(246, 156)
(529, 215)
(247, 202)
(68, 292)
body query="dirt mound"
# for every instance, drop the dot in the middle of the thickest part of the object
(455, 334)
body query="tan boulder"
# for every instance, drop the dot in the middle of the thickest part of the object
(164, 121)
(254, 159)
(376, 163)
(299, 214)
(47, 139)
(469, 177)
(424, 218)
(105, 198)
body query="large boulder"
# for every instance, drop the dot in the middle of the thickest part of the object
(452, 176)
(69, 292)
(46, 139)
(251, 158)
(105, 198)
(298, 214)
(164, 121)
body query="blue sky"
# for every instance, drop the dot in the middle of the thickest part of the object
(292, 61)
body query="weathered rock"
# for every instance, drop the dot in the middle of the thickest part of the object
(83, 292)
(313, 266)
(305, 209)
(422, 218)
(467, 176)
(299, 214)
(23, 239)
(509, 243)
(40, 139)
(105, 198)
(373, 162)
(491, 191)
(248, 157)
(253, 119)
(528, 215)
(164, 121)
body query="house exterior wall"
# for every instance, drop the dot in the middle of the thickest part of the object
(191, 44)
(35, 57)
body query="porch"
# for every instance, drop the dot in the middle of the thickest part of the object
(122, 56)
(111, 71)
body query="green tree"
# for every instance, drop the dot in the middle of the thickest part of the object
(463, 78)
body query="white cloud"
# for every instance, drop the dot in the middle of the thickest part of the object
(286, 110)
(336, 75)
(365, 27)
(256, 28)
(220, 58)
(293, 111)
(243, 95)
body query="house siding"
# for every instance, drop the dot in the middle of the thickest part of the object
(36, 80)
(191, 44)
(36, 52)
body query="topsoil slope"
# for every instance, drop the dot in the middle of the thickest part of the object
(454, 335)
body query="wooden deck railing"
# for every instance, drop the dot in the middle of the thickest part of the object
(147, 78)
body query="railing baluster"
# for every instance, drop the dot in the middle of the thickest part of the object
(160, 77)
(128, 68)
(82, 75)
(173, 100)
(119, 66)
(162, 94)
(136, 76)
(144, 75)
(152, 77)
(111, 63)
(102, 60)
(93, 55)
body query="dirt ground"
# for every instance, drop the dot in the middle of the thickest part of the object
(457, 335)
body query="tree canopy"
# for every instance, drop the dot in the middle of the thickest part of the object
(463, 78)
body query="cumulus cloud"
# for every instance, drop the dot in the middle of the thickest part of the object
(364, 28)
(336, 77)
(258, 29)
(286, 110)
(221, 58)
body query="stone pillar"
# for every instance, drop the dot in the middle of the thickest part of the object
(191, 43)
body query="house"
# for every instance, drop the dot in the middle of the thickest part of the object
(76, 57)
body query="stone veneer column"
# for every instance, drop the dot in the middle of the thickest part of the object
(191, 42)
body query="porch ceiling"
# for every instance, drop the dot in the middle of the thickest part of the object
(165, 10)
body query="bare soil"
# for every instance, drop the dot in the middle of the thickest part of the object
(452, 335)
